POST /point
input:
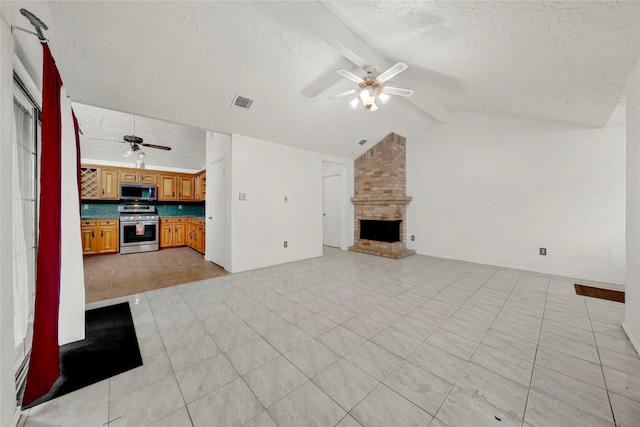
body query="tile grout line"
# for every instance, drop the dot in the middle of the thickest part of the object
(604, 377)
(535, 356)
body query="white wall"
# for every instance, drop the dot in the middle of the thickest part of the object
(493, 189)
(632, 286)
(267, 172)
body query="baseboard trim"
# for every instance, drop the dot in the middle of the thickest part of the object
(634, 342)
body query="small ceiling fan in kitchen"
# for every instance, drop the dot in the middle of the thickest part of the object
(371, 89)
(134, 150)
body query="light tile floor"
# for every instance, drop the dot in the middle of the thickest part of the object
(349, 339)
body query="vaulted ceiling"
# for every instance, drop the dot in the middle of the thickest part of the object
(185, 62)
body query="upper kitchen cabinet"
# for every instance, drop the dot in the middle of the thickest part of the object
(176, 187)
(98, 183)
(132, 176)
(109, 184)
(200, 186)
(167, 187)
(89, 183)
(185, 187)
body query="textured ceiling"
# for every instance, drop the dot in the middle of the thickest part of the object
(103, 130)
(185, 61)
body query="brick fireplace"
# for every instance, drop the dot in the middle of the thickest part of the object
(381, 199)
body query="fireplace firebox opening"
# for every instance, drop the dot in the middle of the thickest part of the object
(381, 231)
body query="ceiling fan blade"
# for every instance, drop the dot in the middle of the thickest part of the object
(393, 71)
(349, 75)
(347, 93)
(390, 90)
(159, 147)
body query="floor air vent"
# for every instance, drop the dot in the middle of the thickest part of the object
(242, 102)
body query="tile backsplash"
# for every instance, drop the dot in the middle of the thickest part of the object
(102, 209)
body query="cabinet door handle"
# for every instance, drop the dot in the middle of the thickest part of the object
(179, 194)
(169, 229)
(102, 233)
(173, 194)
(176, 229)
(92, 235)
(103, 191)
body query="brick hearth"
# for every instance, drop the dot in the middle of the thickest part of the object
(381, 194)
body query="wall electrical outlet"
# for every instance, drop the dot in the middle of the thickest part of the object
(179, 206)
(85, 206)
(242, 196)
(543, 251)
(413, 238)
(286, 244)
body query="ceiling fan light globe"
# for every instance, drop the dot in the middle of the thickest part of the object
(354, 103)
(364, 95)
(127, 153)
(383, 97)
(373, 107)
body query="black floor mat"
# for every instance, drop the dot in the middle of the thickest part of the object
(110, 347)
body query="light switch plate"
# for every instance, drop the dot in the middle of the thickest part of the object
(286, 199)
(242, 196)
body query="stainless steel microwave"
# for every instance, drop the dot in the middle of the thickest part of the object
(138, 192)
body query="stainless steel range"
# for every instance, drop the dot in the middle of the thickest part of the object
(139, 228)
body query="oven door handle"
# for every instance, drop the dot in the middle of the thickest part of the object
(143, 222)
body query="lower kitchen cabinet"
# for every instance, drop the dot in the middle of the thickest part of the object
(99, 236)
(196, 234)
(172, 232)
(176, 232)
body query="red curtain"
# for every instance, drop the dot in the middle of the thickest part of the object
(44, 365)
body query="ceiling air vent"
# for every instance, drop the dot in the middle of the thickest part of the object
(242, 102)
(362, 141)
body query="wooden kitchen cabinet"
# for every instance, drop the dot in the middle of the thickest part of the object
(179, 232)
(172, 232)
(196, 234)
(89, 241)
(199, 184)
(89, 183)
(166, 233)
(99, 236)
(185, 186)
(166, 187)
(99, 183)
(108, 242)
(133, 176)
(109, 184)
(176, 187)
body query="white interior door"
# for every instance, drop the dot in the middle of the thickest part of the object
(331, 210)
(216, 218)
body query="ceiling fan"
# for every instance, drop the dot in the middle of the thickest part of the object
(135, 142)
(134, 149)
(371, 88)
